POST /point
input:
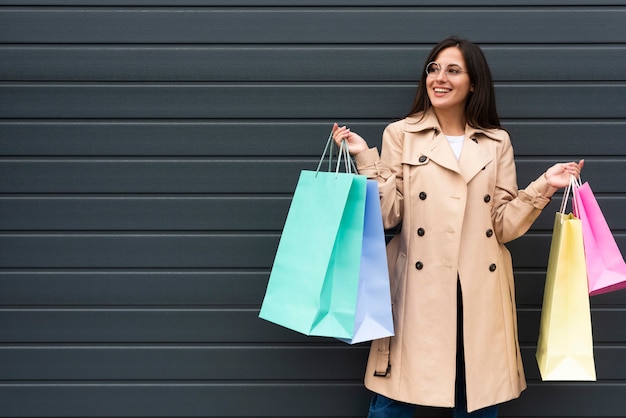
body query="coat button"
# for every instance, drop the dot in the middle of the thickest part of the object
(492, 267)
(487, 198)
(423, 159)
(420, 232)
(422, 195)
(489, 233)
(419, 265)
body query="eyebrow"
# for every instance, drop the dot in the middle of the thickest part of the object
(453, 63)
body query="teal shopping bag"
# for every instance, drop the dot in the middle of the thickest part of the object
(314, 279)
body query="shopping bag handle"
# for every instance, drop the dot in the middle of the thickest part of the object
(344, 153)
(574, 183)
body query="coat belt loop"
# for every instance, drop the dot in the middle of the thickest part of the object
(383, 364)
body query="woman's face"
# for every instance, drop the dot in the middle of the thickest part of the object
(449, 87)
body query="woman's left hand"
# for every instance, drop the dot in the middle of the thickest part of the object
(558, 175)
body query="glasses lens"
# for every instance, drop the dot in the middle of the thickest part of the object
(454, 70)
(432, 68)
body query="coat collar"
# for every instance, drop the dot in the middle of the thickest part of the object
(419, 123)
(475, 155)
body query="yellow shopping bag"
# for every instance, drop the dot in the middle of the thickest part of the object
(565, 345)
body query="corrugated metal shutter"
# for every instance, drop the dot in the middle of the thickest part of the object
(148, 153)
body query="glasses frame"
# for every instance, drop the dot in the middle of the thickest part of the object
(447, 70)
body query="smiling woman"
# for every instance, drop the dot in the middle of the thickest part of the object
(447, 172)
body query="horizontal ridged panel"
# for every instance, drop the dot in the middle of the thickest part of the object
(284, 63)
(227, 363)
(137, 176)
(219, 175)
(272, 138)
(132, 288)
(296, 25)
(184, 399)
(283, 100)
(93, 325)
(183, 362)
(335, 3)
(189, 288)
(225, 400)
(144, 213)
(166, 250)
(173, 213)
(169, 250)
(567, 399)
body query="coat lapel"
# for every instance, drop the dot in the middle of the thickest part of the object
(474, 157)
(441, 153)
(432, 143)
(476, 153)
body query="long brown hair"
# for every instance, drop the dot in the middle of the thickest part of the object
(480, 107)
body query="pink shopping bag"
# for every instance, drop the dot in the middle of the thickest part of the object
(606, 269)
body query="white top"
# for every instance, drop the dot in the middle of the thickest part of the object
(456, 143)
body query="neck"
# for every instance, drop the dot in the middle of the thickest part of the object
(451, 122)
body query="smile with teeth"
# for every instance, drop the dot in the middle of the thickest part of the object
(441, 90)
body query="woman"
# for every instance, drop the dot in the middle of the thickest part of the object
(447, 179)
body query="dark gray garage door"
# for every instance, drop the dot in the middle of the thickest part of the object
(148, 154)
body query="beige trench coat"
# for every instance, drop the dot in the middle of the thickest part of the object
(455, 217)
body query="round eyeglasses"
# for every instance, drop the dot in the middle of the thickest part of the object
(433, 69)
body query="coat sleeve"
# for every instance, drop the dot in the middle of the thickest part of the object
(386, 169)
(514, 212)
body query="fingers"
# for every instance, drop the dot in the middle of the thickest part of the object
(573, 168)
(570, 168)
(559, 174)
(340, 133)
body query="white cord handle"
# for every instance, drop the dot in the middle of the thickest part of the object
(573, 184)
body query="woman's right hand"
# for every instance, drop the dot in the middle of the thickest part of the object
(356, 144)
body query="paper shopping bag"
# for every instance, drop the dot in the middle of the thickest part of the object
(313, 284)
(373, 317)
(606, 269)
(565, 344)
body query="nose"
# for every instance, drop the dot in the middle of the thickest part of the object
(442, 75)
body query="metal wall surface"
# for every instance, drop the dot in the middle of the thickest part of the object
(148, 153)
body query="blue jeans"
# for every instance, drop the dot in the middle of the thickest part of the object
(383, 407)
